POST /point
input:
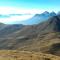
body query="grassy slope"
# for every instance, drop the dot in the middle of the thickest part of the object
(25, 55)
(31, 51)
(43, 42)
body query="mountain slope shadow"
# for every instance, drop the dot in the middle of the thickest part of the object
(55, 49)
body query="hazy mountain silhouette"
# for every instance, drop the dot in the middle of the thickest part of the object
(37, 18)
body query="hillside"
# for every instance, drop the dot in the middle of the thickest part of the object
(40, 37)
(43, 38)
(25, 55)
(6, 29)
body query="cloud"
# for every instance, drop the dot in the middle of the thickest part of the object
(12, 10)
(10, 19)
(11, 14)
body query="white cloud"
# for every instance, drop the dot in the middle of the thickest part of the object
(9, 20)
(11, 10)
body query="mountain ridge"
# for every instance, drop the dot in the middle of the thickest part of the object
(37, 18)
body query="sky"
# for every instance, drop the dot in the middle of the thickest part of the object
(25, 7)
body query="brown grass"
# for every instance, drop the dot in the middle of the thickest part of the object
(25, 55)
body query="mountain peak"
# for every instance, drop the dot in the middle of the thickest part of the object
(52, 13)
(54, 23)
(58, 13)
(36, 15)
(46, 12)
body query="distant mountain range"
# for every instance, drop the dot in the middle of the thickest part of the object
(37, 18)
(41, 37)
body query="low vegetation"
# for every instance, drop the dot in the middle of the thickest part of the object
(25, 55)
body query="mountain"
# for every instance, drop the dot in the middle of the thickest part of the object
(37, 18)
(53, 14)
(42, 37)
(8, 29)
(2, 25)
(48, 26)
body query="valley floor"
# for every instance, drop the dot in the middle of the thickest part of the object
(25, 55)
